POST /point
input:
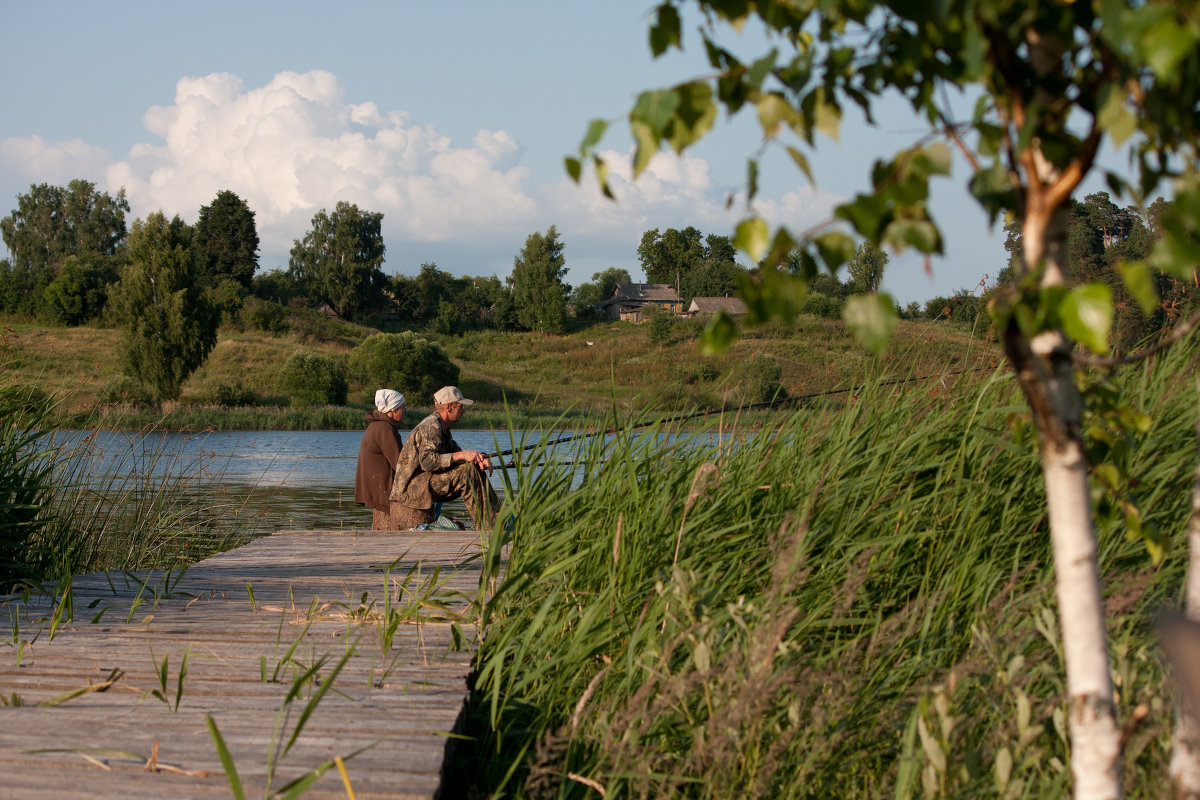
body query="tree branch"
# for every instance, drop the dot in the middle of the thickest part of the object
(1182, 330)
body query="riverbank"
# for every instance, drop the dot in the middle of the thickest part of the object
(596, 371)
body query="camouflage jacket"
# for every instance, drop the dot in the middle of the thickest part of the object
(428, 449)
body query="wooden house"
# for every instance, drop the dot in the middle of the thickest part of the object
(634, 301)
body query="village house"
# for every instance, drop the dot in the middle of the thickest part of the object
(711, 305)
(636, 301)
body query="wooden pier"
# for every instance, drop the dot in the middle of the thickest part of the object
(377, 627)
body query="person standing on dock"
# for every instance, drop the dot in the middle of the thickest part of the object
(433, 468)
(377, 457)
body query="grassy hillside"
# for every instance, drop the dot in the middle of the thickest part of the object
(584, 370)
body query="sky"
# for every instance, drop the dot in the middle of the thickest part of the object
(452, 119)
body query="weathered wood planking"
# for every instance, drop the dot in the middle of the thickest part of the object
(313, 597)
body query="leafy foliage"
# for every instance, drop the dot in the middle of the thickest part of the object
(80, 291)
(313, 379)
(227, 240)
(340, 259)
(125, 390)
(539, 295)
(586, 295)
(50, 224)
(170, 324)
(406, 362)
(757, 379)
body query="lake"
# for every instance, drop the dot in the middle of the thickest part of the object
(297, 480)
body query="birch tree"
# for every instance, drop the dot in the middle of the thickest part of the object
(1050, 83)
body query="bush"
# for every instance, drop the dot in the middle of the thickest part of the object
(230, 394)
(660, 327)
(756, 380)
(264, 315)
(822, 305)
(124, 390)
(404, 361)
(312, 379)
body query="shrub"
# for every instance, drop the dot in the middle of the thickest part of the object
(125, 390)
(313, 379)
(264, 315)
(660, 327)
(822, 305)
(756, 380)
(230, 394)
(404, 361)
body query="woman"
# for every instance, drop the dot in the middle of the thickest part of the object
(377, 456)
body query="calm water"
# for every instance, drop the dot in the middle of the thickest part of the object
(286, 479)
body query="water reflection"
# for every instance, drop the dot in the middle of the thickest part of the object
(267, 480)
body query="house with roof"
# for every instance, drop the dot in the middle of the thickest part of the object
(636, 301)
(711, 305)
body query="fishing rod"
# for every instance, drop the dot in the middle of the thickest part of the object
(795, 400)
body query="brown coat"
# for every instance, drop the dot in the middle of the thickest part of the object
(377, 455)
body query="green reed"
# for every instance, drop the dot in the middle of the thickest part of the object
(852, 603)
(71, 505)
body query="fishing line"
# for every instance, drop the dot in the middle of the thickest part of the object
(780, 401)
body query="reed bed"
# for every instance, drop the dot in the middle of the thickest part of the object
(70, 505)
(852, 603)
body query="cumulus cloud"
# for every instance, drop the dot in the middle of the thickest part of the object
(297, 145)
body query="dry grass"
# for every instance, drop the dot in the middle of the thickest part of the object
(531, 370)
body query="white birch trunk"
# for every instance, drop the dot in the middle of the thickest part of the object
(1046, 375)
(1095, 734)
(1184, 769)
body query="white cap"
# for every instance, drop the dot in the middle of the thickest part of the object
(388, 400)
(450, 394)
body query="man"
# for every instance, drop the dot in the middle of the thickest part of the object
(377, 456)
(432, 467)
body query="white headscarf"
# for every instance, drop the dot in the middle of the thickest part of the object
(388, 400)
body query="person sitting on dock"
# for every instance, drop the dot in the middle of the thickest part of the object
(433, 469)
(377, 457)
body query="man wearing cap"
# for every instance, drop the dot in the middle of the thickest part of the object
(377, 456)
(432, 467)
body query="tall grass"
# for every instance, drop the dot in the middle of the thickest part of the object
(118, 503)
(848, 604)
(67, 505)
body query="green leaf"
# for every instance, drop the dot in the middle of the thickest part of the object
(828, 116)
(773, 111)
(574, 168)
(655, 109)
(647, 146)
(1139, 279)
(751, 237)
(751, 179)
(1175, 255)
(1115, 117)
(872, 319)
(595, 133)
(835, 249)
(918, 233)
(1087, 315)
(694, 115)
(602, 176)
(664, 32)
(718, 334)
(762, 67)
(801, 161)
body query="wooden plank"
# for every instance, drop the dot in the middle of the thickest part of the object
(316, 599)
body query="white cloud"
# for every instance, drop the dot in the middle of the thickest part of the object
(297, 145)
(34, 160)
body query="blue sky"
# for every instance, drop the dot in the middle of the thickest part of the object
(452, 119)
